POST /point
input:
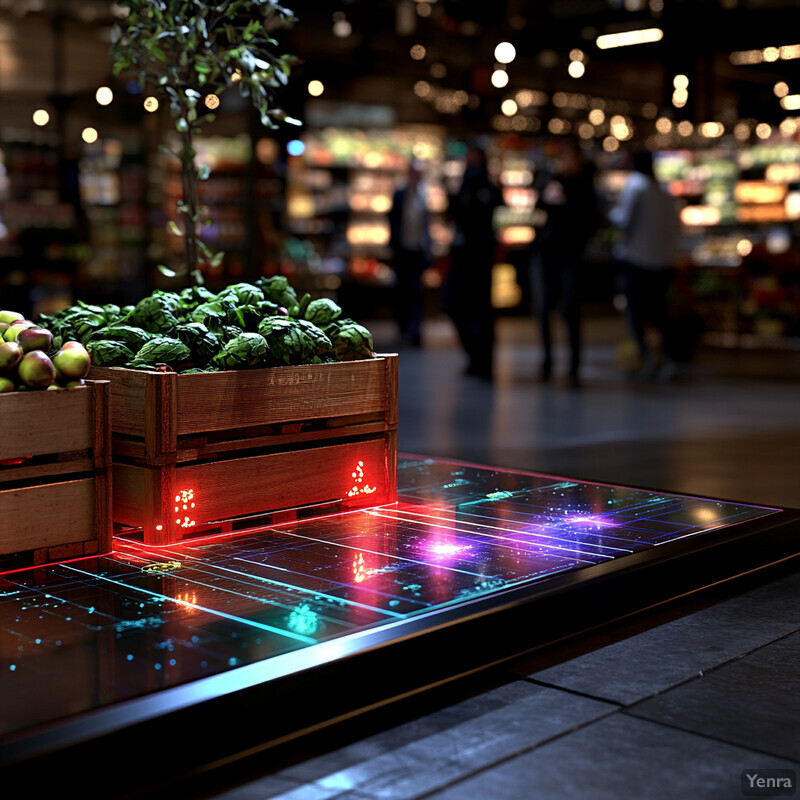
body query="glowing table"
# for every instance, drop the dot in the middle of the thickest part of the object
(286, 628)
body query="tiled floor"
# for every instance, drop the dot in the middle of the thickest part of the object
(673, 703)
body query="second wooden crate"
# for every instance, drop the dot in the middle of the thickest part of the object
(194, 450)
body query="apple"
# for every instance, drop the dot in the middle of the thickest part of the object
(36, 370)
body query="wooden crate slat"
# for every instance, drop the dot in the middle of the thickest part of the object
(46, 516)
(215, 401)
(41, 423)
(250, 485)
(22, 472)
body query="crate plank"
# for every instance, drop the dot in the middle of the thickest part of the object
(280, 394)
(46, 516)
(40, 423)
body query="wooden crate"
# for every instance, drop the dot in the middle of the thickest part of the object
(191, 451)
(56, 503)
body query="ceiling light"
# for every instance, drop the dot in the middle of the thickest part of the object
(626, 38)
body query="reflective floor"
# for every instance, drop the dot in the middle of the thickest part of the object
(90, 633)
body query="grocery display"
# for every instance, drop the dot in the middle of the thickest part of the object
(243, 326)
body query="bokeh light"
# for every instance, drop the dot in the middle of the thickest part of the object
(315, 88)
(151, 104)
(104, 95)
(89, 135)
(40, 117)
(499, 78)
(505, 53)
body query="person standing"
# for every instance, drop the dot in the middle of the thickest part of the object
(648, 218)
(568, 198)
(468, 289)
(410, 242)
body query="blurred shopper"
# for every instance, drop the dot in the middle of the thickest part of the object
(410, 242)
(567, 196)
(650, 225)
(468, 290)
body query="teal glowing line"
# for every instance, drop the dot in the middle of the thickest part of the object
(296, 636)
(292, 586)
(332, 597)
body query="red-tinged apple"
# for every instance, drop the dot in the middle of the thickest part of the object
(36, 370)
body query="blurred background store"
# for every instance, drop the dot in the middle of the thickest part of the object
(710, 87)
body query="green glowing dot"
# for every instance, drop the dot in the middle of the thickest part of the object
(394, 602)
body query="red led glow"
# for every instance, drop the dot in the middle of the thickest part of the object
(359, 569)
(359, 487)
(184, 502)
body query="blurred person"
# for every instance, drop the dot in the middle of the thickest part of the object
(468, 288)
(567, 196)
(648, 218)
(410, 242)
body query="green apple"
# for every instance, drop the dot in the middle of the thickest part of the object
(72, 361)
(10, 355)
(10, 316)
(35, 339)
(6, 385)
(36, 370)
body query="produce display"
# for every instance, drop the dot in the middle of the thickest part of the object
(31, 357)
(246, 325)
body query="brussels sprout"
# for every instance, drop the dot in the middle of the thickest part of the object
(108, 353)
(243, 294)
(277, 290)
(156, 314)
(228, 332)
(194, 296)
(134, 338)
(204, 344)
(84, 323)
(322, 345)
(210, 315)
(288, 342)
(111, 312)
(351, 341)
(322, 312)
(161, 350)
(244, 350)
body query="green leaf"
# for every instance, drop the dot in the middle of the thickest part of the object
(174, 229)
(182, 125)
(198, 277)
(203, 172)
(169, 273)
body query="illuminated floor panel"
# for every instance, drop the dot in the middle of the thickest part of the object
(88, 634)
